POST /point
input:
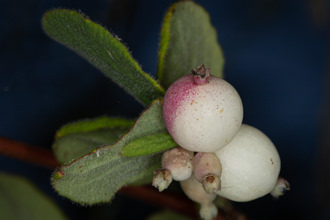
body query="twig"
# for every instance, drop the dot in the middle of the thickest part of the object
(28, 153)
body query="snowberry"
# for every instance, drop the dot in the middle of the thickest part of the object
(207, 170)
(179, 162)
(202, 113)
(195, 191)
(176, 164)
(250, 165)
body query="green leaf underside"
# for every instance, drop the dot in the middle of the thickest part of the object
(75, 145)
(88, 125)
(148, 145)
(96, 177)
(187, 40)
(166, 215)
(104, 51)
(21, 200)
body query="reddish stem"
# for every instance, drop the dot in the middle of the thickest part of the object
(28, 153)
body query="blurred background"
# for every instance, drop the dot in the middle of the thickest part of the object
(277, 57)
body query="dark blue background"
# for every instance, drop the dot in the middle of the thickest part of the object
(276, 57)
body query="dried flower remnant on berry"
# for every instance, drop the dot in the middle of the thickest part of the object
(281, 186)
(201, 75)
(162, 179)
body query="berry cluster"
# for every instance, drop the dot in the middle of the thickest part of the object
(216, 153)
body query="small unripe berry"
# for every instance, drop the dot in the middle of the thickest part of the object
(201, 112)
(176, 164)
(207, 170)
(179, 162)
(195, 191)
(250, 166)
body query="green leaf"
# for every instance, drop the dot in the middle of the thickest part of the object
(165, 215)
(101, 49)
(21, 200)
(96, 177)
(88, 125)
(79, 138)
(149, 144)
(75, 145)
(187, 40)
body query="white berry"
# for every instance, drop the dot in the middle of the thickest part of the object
(250, 165)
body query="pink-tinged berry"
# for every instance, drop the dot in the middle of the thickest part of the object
(202, 113)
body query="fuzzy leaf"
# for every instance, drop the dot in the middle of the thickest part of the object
(149, 144)
(79, 138)
(76, 145)
(187, 40)
(21, 200)
(96, 177)
(104, 51)
(88, 125)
